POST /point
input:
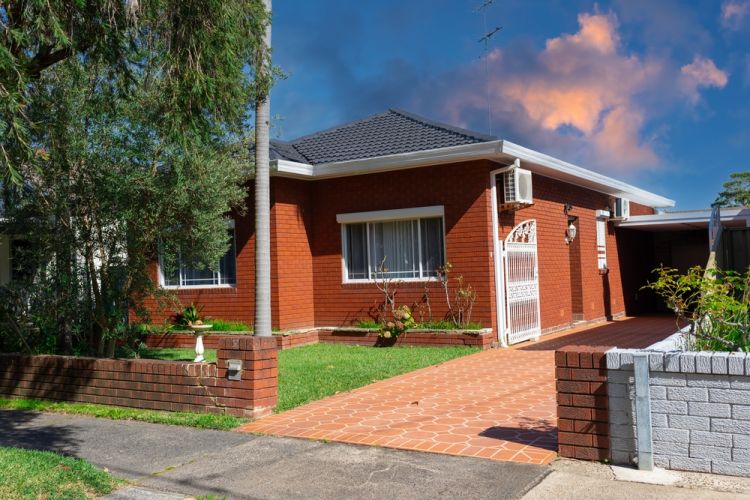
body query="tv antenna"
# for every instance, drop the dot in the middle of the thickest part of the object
(488, 34)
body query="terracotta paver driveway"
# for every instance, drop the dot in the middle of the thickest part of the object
(498, 404)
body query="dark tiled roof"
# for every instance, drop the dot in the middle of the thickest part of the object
(391, 132)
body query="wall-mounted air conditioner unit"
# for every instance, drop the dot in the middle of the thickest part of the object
(622, 209)
(518, 187)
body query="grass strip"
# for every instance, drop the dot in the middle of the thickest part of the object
(187, 419)
(37, 474)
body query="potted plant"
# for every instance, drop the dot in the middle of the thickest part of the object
(191, 317)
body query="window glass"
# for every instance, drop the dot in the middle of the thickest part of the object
(406, 249)
(188, 274)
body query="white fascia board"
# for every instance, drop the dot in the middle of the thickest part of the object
(579, 176)
(685, 217)
(502, 151)
(413, 159)
(391, 215)
(293, 169)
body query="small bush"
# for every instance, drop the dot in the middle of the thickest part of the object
(714, 303)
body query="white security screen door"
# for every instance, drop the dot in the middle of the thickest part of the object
(522, 283)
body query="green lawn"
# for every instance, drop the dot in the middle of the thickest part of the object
(42, 474)
(176, 354)
(313, 372)
(306, 374)
(199, 420)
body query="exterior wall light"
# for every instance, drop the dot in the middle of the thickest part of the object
(570, 233)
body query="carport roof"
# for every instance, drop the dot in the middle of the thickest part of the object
(687, 220)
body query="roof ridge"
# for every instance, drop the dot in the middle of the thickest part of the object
(338, 127)
(443, 126)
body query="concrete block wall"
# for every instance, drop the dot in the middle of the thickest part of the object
(700, 410)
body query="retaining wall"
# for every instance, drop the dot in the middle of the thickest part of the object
(153, 384)
(698, 403)
(482, 339)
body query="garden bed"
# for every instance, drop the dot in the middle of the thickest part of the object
(481, 339)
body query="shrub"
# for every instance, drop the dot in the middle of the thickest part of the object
(713, 302)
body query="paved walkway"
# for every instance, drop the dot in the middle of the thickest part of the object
(497, 404)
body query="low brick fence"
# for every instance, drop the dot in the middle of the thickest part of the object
(482, 339)
(153, 384)
(698, 404)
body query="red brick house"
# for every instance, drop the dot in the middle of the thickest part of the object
(540, 256)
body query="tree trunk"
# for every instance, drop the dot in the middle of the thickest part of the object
(262, 194)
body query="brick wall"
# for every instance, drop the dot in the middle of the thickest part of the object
(230, 303)
(482, 339)
(463, 189)
(600, 295)
(151, 384)
(700, 410)
(291, 258)
(306, 244)
(699, 403)
(583, 422)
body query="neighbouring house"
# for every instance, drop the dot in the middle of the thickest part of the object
(544, 243)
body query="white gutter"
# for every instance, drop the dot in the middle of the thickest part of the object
(686, 217)
(503, 152)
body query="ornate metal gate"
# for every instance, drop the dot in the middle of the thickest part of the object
(521, 283)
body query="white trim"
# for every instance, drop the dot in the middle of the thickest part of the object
(497, 257)
(686, 217)
(499, 150)
(162, 278)
(573, 174)
(602, 214)
(195, 287)
(411, 214)
(391, 215)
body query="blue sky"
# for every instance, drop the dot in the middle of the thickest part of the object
(656, 93)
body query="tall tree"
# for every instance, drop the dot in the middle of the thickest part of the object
(736, 191)
(203, 46)
(262, 187)
(129, 160)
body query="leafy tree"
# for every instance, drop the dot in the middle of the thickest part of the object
(135, 146)
(736, 191)
(197, 47)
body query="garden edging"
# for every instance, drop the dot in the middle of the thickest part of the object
(482, 339)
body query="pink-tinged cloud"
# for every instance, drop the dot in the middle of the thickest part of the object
(583, 96)
(586, 82)
(734, 12)
(701, 73)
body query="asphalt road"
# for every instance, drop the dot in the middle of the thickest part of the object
(202, 462)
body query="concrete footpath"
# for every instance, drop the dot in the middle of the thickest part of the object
(168, 462)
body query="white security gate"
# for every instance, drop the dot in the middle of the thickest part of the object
(521, 284)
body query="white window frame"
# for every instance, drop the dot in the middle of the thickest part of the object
(400, 214)
(162, 278)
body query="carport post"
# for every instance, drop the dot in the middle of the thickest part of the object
(643, 411)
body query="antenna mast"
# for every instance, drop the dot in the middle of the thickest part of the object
(486, 41)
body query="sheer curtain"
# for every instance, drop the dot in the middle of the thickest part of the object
(432, 245)
(356, 251)
(397, 243)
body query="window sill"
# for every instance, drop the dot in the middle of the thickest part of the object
(394, 280)
(199, 287)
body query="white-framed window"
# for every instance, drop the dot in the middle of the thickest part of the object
(187, 274)
(409, 243)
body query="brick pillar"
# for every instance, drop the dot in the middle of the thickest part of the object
(256, 394)
(582, 407)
